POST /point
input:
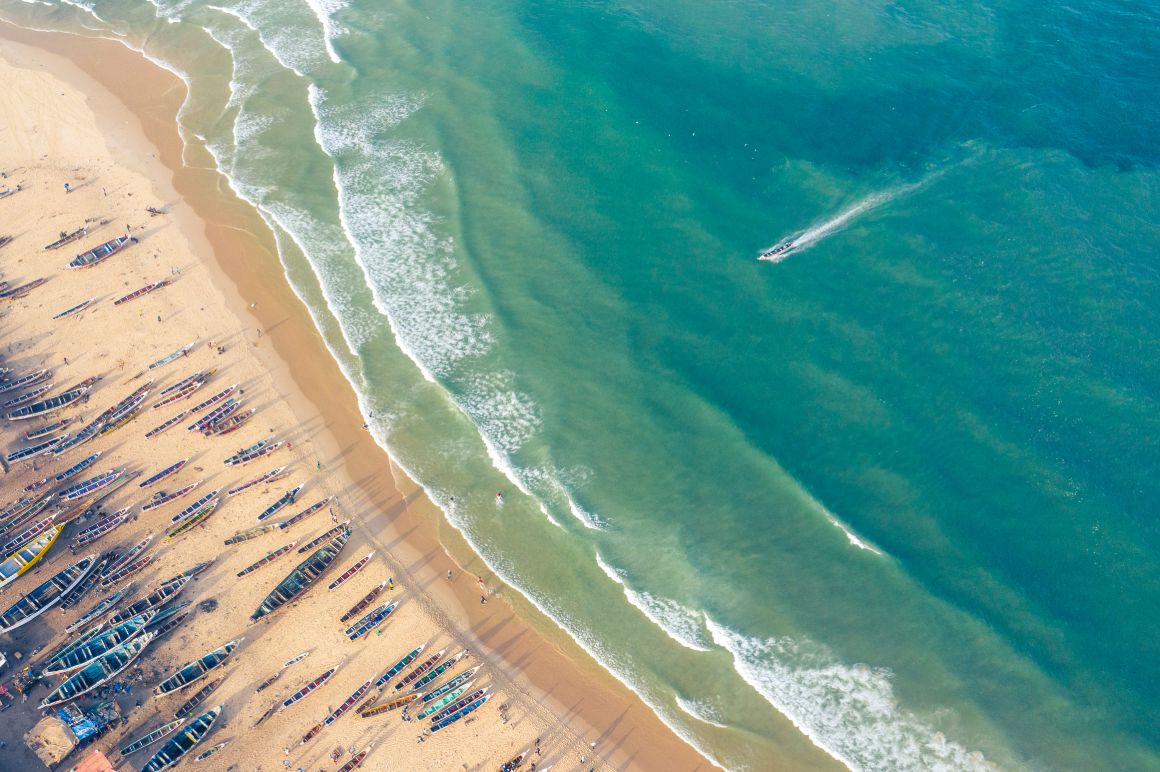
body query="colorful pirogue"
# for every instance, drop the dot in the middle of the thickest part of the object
(99, 254)
(175, 749)
(303, 576)
(46, 595)
(98, 673)
(196, 670)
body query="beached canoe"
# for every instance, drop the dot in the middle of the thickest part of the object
(194, 671)
(293, 660)
(355, 762)
(257, 450)
(196, 518)
(366, 601)
(27, 396)
(102, 527)
(26, 515)
(309, 688)
(443, 702)
(165, 498)
(184, 393)
(92, 485)
(285, 500)
(459, 705)
(232, 424)
(143, 291)
(273, 474)
(128, 556)
(171, 469)
(269, 558)
(40, 376)
(158, 734)
(81, 306)
(220, 412)
(28, 534)
(346, 575)
(420, 669)
(439, 691)
(125, 571)
(28, 556)
(18, 292)
(181, 352)
(80, 466)
(183, 383)
(44, 431)
(435, 673)
(216, 398)
(99, 254)
(397, 668)
(165, 593)
(78, 593)
(370, 621)
(186, 739)
(113, 637)
(195, 506)
(191, 704)
(156, 430)
(100, 609)
(209, 752)
(348, 703)
(90, 632)
(173, 622)
(393, 704)
(50, 405)
(325, 536)
(97, 673)
(310, 510)
(251, 533)
(67, 237)
(443, 724)
(303, 576)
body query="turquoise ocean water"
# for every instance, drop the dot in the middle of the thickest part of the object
(889, 501)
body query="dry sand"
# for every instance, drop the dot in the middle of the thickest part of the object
(61, 126)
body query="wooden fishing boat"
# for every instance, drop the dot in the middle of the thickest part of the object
(172, 623)
(75, 309)
(33, 451)
(366, 601)
(434, 673)
(303, 576)
(171, 469)
(231, 424)
(370, 621)
(182, 383)
(195, 506)
(181, 352)
(91, 632)
(27, 397)
(310, 510)
(165, 593)
(102, 527)
(185, 393)
(459, 705)
(78, 593)
(50, 405)
(251, 533)
(35, 434)
(216, 398)
(77, 468)
(99, 254)
(191, 704)
(28, 556)
(350, 572)
(166, 614)
(444, 723)
(100, 609)
(18, 292)
(196, 518)
(397, 668)
(186, 740)
(38, 485)
(26, 515)
(286, 500)
(218, 413)
(123, 416)
(143, 291)
(156, 430)
(191, 672)
(27, 535)
(102, 644)
(13, 506)
(197, 569)
(389, 705)
(68, 238)
(355, 761)
(92, 485)
(160, 733)
(40, 376)
(419, 670)
(344, 525)
(309, 688)
(165, 498)
(128, 556)
(127, 570)
(268, 559)
(242, 457)
(293, 660)
(208, 752)
(5, 240)
(451, 696)
(273, 474)
(348, 703)
(97, 673)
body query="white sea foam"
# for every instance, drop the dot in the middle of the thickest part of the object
(849, 711)
(700, 710)
(681, 624)
(325, 10)
(588, 519)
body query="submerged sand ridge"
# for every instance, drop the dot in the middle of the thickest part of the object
(51, 138)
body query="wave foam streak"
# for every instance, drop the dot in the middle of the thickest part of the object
(848, 711)
(681, 624)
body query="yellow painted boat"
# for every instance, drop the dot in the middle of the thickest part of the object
(28, 556)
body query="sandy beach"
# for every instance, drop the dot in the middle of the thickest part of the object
(119, 154)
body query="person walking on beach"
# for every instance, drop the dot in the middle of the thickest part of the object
(67, 188)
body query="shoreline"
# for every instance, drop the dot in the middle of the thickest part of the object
(403, 521)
